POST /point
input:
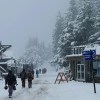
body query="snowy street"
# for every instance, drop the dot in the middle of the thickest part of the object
(50, 50)
(43, 88)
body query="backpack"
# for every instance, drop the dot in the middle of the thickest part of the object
(30, 76)
(10, 79)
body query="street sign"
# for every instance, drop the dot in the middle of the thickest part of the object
(88, 52)
(89, 55)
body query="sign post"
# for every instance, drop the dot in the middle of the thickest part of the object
(90, 56)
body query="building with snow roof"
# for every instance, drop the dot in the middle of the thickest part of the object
(3, 59)
(81, 68)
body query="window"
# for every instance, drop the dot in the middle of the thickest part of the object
(80, 72)
(77, 50)
(82, 49)
(96, 67)
(72, 51)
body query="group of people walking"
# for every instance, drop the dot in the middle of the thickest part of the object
(11, 82)
(29, 76)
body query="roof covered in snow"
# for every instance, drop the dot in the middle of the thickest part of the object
(87, 48)
(93, 47)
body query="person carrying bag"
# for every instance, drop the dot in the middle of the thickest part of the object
(10, 80)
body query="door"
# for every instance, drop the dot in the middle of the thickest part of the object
(81, 72)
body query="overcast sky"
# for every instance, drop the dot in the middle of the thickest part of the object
(22, 19)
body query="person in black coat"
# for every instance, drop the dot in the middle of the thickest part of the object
(30, 78)
(23, 77)
(10, 80)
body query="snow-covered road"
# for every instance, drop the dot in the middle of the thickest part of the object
(39, 90)
(43, 88)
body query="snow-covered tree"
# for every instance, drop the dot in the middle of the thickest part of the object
(81, 26)
(72, 11)
(97, 23)
(95, 38)
(35, 53)
(84, 26)
(57, 32)
(96, 11)
(67, 35)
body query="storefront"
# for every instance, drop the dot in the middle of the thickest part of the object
(81, 69)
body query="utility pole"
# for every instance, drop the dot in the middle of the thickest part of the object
(92, 72)
(89, 56)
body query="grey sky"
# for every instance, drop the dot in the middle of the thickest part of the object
(21, 19)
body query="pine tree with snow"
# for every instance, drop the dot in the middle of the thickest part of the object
(57, 32)
(94, 38)
(72, 11)
(35, 53)
(67, 36)
(85, 21)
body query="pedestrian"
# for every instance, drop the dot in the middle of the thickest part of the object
(37, 73)
(23, 77)
(10, 80)
(30, 78)
(33, 73)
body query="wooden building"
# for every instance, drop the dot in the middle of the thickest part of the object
(81, 69)
(3, 61)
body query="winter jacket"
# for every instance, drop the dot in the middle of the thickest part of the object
(23, 75)
(37, 72)
(10, 79)
(30, 76)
